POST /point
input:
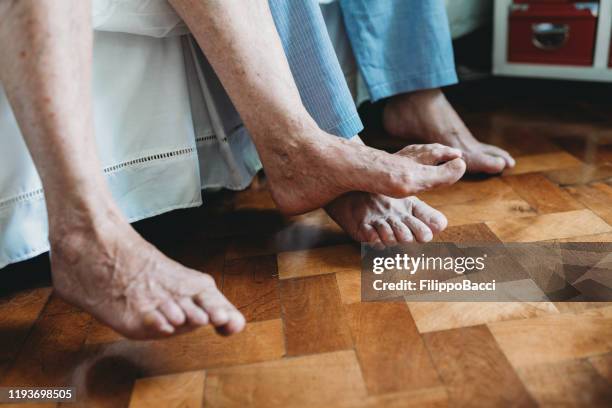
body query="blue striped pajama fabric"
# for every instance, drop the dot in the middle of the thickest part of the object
(315, 67)
(400, 45)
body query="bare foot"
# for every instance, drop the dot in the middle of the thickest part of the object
(429, 117)
(308, 168)
(385, 221)
(114, 274)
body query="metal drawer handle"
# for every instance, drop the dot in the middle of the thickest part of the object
(549, 36)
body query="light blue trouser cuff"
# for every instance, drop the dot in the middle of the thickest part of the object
(400, 45)
(413, 83)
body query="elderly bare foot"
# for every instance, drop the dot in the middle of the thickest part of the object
(428, 117)
(309, 168)
(106, 268)
(381, 220)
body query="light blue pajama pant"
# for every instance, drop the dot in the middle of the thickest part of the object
(400, 46)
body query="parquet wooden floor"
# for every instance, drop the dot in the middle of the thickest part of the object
(309, 341)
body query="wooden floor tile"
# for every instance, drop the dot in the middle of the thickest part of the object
(203, 348)
(478, 201)
(349, 285)
(543, 162)
(51, 351)
(603, 237)
(391, 352)
(568, 383)
(580, 175)
(99, 333)
(324, 380)
(597, 197)
(251, 284)
(312, 230)
(468, 191)
(460, 214)
(549, 226)
(313, 316)
(468, 233)
(435, 397)
(579, 307)
(474, 369)
(434, 316)
(56, 305)
(184, 390)
(542, 194)
(319, 261)
(18, 313)
(548, 339)
(603, 365)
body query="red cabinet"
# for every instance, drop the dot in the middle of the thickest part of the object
(546, 32)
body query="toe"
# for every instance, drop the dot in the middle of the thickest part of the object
(402, 233)
(220, 310)
(434, 219)
(235, 324)
(496, 151)
(421, 231)
(156, 322)
(385, 232)
(439, 153)
(172, 312)
(369, 235)
(435, 176)
(195, 315)
(482, 162)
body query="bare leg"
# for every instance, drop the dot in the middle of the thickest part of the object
(307, 167)
(98, 261)
(428, 117)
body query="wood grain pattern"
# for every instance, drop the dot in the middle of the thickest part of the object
(468, 233)
(349, 285)
(576, 383)
(56, 305)
(473, 202)
(549, 226)
(311, 230)
(184, 390)
(579, 175)
(435, 316)
(597, 197)
(499, 208)
(549, 339)
(543, 162)
(603, 365)
(542, 194)
(50, 353)
(318, 261)
(313, 317)
(392, 355)
(251, 284)
(328, 379)
(203, 348)
(467, 191)
(472, 367)
(18, 313)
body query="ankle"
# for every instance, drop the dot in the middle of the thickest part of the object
(89, 220)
